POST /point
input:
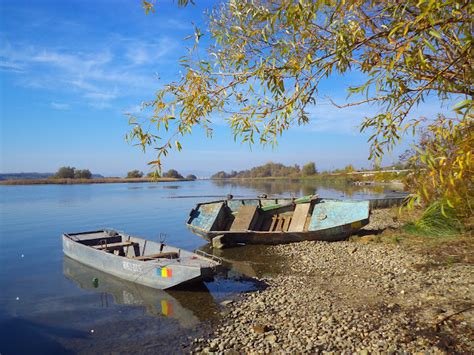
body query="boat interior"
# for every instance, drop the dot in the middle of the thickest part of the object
(277, 215)
(274, 215)
(125, 245)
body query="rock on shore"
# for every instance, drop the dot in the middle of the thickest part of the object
(351, 297)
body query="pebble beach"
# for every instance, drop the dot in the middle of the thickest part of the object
(348, 297)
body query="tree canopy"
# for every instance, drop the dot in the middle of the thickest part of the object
(172, 173)
(134, 174)
(67, 172)
(82, 174)
(309, 169)
(267, 59)
(269, 169)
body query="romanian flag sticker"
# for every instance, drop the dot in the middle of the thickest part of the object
(166, 308)
(165, 272)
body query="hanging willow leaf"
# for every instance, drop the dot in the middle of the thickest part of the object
(266, 61)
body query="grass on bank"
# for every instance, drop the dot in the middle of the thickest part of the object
(433, 232)
(437, 221)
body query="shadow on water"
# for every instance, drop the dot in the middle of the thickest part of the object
(189, 307)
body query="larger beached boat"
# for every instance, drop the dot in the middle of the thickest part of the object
(278, 220)
(145, 262)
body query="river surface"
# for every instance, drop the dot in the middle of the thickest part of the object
(49, 303)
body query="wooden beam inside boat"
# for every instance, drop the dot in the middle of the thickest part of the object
(166, 255)
(112, 246)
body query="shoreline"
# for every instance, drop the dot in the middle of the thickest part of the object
(348, 178)
(357, 296)
(86, 181)
(378, 306)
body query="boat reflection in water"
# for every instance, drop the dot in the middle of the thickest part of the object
(188, 307)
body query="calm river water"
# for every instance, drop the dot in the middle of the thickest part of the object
(49, 304)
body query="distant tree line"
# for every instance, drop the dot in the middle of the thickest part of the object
(294, 171)
(67, 172)
(270, 170)
(134, 174)
(172, 174)
(25, 176)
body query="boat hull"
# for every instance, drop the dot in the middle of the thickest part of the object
(271, 238)
(144, 273)
(277, 221)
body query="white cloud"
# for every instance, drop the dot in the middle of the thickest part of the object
(142, 52)
(119, 68)
(60, 106)
(138, 55)
(177, 24)
(102, 96)
(80, 62)
(133, 110)
(7, 65)
(325, 117)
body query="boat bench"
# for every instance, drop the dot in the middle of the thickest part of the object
(114, 246)
(291, 223)
(166, 255)
(300, 216)
(280, 223)
(246, 218)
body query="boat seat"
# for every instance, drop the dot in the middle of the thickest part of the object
(166, 255)
(245, 219)
(114, 246)
(299, 217)
(280, 223)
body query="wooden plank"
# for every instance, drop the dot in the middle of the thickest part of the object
(113, 245)
(274, 221)
(299, 217)
(281, 221)
(245, 218)
(272, 224)
(167, 255)
(287, 223)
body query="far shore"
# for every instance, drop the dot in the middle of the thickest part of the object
(346, 178)
(114, 180)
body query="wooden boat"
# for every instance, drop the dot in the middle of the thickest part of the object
(278, 220)
(139, 260)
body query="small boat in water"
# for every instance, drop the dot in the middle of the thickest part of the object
(389, 199)
(278, 220)
(142, 261)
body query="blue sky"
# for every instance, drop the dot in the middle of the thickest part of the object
(70, 70)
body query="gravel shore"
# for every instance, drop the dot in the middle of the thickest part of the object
(350, 297)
